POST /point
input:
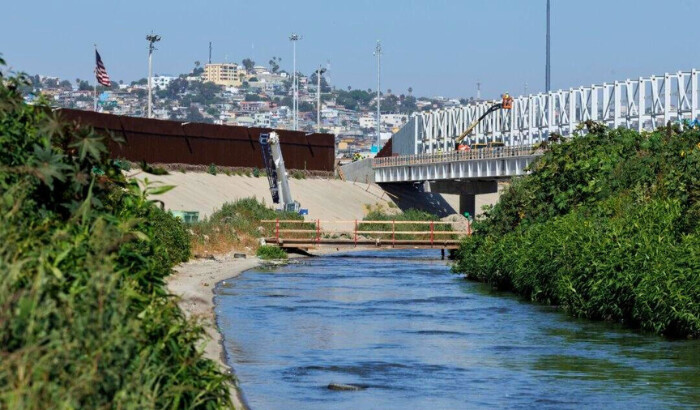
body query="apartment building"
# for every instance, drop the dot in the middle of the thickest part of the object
(226, 74)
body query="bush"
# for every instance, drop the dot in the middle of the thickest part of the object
(267, 252)
(212, 169)
(256, 172)
(298, 174)
(605, 226)
(85, 318)
(237, 226)
(153, 170)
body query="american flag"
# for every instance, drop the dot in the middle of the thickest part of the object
(101, 71)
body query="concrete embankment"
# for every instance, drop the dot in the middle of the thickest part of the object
(326, 199)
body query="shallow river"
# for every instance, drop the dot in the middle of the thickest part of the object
(419, 337)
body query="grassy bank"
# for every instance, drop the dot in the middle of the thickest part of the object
(85, 321)
(607, 226)
(237, 227)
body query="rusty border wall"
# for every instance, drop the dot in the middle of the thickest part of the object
(174, 142)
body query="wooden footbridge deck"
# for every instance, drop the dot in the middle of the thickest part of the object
(381, 234)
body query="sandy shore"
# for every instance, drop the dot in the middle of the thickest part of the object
(194, 283)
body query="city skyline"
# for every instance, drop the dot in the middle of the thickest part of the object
(437, 49)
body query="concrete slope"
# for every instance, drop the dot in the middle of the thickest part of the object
(326, 199)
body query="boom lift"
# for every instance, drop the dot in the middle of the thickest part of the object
(505, 104)
(276, 172)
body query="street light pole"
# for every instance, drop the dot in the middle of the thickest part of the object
(548, 68)
(378, 53)
(295, 106)
(152, 39)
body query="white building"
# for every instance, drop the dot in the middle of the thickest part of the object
(162, 81)
(262, 119)
(368, 121)
(394, 120)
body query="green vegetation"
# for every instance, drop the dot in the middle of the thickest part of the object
(237, 226)
(149, 169)
(267, 252)
(85, 319)
(298, 174)
(607, 226)
(212, 169)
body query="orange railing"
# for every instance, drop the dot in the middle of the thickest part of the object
(380, 233)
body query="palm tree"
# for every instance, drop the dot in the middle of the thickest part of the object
(410, 90)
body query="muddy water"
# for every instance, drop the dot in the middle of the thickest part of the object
(399, 324)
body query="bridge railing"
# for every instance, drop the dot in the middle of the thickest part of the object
(425, 234)
(454, 156)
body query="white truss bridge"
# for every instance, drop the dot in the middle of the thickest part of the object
(642, 104)
(425, 145)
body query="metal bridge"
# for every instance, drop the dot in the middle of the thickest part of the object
(423, 150)
(642, 104)
(380, 234)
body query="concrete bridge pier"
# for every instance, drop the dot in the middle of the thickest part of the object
(467, 191)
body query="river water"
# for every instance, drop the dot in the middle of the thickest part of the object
(418, 337)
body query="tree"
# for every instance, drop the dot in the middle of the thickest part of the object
(197, 69)
(324, 84)
(410, 90)
(388, 90)
(349, 88)
(248, 64)
(84, 86)
(253, 97)
(193, 114)
(275, 64)
(65, 84)
(305, 106)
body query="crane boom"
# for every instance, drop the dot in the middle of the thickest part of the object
(276, 171)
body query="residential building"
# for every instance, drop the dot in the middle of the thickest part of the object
(162, 81)
(394, 120)
(226, 74)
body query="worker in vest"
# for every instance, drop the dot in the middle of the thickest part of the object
(507, 101)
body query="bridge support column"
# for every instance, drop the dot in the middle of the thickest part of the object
(467, 203)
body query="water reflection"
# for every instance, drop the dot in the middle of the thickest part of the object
(417, 336)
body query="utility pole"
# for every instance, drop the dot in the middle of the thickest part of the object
(319, 73)
(548, 68)
(152, 39)
(378, 53)
(478, 90)
(295, 106)
(210, 52)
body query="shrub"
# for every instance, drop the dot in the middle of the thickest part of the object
(267, 252)
(237, 226)
(256, 172)
(298, 174)
(212, 169)
(85, 318)
(606, 225)
(145, 167)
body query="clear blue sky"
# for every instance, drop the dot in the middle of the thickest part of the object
(437, 47)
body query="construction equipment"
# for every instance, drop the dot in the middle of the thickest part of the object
(505, 104)
(276, 172)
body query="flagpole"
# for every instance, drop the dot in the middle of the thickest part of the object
(95, 89)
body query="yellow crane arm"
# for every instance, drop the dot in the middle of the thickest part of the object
(473, 125)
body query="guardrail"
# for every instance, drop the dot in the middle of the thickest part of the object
(453, 156)
(392, 236)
